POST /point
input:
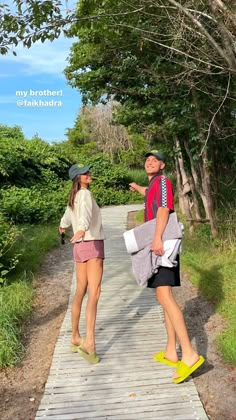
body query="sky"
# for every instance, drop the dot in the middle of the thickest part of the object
(34, 93)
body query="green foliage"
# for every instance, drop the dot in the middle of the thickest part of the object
(140, 216)
(108, 196)
(134, 156)
(28, 162)
(108, 175)
(28, 23)
(33, 205)
(79, 134)
(139, 176)
(162, 95)
(186, 32)
(33, 173)
(211, 267)
(33, 244)
(8, 236)
(226, 344)
(16, 297)
(15, 306)
(15, 132)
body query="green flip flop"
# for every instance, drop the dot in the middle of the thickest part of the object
(160, 357)
(74, 347)
(184, 371)
(90, 357)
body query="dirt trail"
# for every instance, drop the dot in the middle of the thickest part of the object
(21, 388)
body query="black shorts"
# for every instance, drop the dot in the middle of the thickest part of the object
(165, 277)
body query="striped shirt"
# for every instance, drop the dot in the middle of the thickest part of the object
(158, 194)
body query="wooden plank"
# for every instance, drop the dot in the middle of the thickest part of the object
(127, 384)
(87, 411)
(169, 413)
(130, 416)
(109, 404)
(161, 391)
(101, 394)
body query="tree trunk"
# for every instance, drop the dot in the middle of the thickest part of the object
(204, 189)
(195, 199)
(194, 182)
(179, 187)
(209, 204)
(183, 183)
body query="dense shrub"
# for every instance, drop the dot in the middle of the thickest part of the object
(33, 205)
(25, 163)
(104, 173)
(108, 196)
(8, 236)
(43, 205)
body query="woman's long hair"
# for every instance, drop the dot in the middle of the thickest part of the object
(74, 189)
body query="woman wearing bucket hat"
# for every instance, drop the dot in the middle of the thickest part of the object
(84, 215)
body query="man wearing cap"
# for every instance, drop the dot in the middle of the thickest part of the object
(159, 203)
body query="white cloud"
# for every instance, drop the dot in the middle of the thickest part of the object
(46, 58)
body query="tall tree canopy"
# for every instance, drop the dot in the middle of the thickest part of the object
(188, 24)
(174, 85)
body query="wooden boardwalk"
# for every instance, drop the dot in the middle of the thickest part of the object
(127, 384)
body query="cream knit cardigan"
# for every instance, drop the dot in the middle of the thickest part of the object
(86, 216)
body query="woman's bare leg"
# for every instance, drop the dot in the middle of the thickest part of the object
(81, 287)
(94, 273)
(175, 316)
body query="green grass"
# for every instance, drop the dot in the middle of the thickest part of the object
(138, 175)
(34, 243)
(211, 267)
(17, 296)
(140, 216)
(15, 306)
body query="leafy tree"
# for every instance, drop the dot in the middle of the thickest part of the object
(96, 124)
(7, 132)
(162, 95)
(202, 31)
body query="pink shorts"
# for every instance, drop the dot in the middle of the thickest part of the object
(87, 250)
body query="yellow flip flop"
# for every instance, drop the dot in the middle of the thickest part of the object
(74, 347)
(184, 371)
(90, 357)
(160, 357)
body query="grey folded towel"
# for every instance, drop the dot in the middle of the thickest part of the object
(141, 236)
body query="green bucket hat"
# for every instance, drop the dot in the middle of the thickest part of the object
(78, 169)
